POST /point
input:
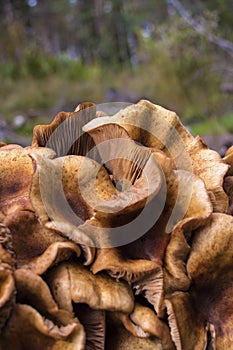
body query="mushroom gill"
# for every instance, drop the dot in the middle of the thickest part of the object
(64, 135)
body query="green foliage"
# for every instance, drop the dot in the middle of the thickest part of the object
(37, 64)
(174, 65)
(214, 126)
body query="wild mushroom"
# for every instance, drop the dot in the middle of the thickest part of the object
(195, 208)
(16, 173)
(228, 159)
(7, 265)
(97, 226)
(202, 317)
(158, 128)
(144, 323)
(36, 320)
(77, 290)
(100, 292)
(118, 338)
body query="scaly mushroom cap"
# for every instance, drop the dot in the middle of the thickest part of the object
(29, 238)
(17, 169)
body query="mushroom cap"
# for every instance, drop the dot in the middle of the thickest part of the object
(118, 338)
(144, 323)
(228, 159)
(17, 169)
(188, 330)
(27, 327)
(160, 129)
(7, 265)
(110, 260)
(228, 187)
(206, 308)
(36, 319)
(209, 166)
(100, 291)
(30, 239)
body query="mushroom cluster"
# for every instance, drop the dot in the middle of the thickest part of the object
(116, 232)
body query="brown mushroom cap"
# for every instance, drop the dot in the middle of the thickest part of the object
(144, 323)
(161, 129)
(78, 291)
(206, 308)
(100, 291)
(228, 159)
(228, 187)
(27, 327)
(29, 238)
(17, 169)
(36, 320)
(118, 338)
(209, 166)
(7, 265)
(188, 330)
(110, 260)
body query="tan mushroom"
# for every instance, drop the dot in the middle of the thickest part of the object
(228, 159)
(118, 338)
(36, 320)
(161, 129)
(144, 323)
(130, 197)
(203, 315)
(133, 261)
(7, 265)
(27, 327)
(100, 292)
(17, 169)
(78, 291)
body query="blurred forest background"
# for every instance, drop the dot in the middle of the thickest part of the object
(55, 54)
